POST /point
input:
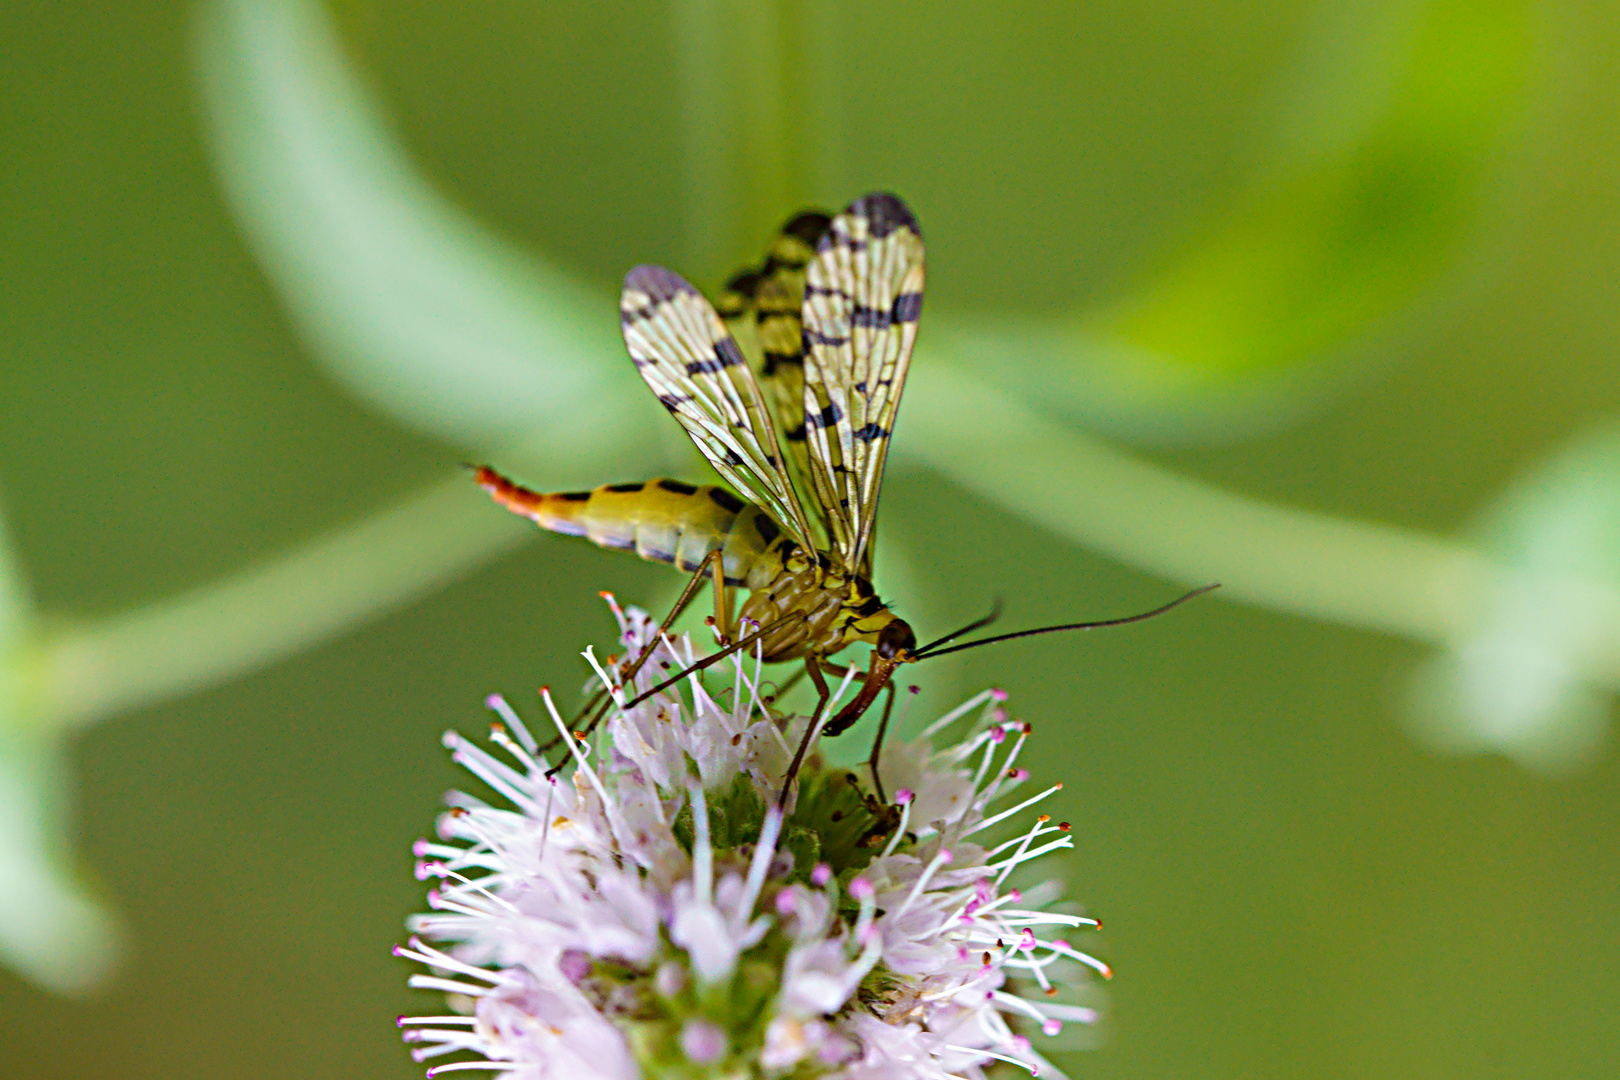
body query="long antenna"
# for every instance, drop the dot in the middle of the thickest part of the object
(928, 652)
(995, 613)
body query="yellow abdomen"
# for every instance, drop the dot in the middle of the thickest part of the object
(667, 521)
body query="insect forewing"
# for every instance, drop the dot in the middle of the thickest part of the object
(692, 363)
(863, 294)
(763, 308)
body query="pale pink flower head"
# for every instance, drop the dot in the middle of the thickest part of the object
(651, 912)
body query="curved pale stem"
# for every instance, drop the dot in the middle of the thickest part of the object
(276, 609)
(1362, 574)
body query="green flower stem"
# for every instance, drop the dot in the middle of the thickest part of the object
(263, 614)
(1376, 577)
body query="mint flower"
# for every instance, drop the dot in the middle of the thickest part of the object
(654, 914)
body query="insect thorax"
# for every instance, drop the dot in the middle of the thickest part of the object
(819, 610)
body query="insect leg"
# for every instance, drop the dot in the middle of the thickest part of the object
(722, 598)
(877, 743)
(838, 671)
(711, 562)
(596, 708)
(814, 670)
(786, 684)
(877, 677)
(709, 661)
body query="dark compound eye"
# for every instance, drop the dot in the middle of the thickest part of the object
(895, 639)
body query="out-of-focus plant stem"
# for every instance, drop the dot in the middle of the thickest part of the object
(1361, 574)
(276, 609)
(761, 125)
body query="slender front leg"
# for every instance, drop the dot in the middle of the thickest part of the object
(877, 677)
(814, 670)
(707, 661)
(839, 671)
(877, 743)
(596, 708)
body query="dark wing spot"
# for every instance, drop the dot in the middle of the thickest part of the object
(745, 283)
(907, 307)
(658, 283)
(773, 360)
(673, 402)
(679, 487)
(624, 488)
(726, 354)
(733, 458)
(628, 315)
(813, 337)
(826, 418)
(871, 433)
(884, 213)
(574, 496)
(877, 318)
(768, 529)
(796, 435)
(725, 500)
(808, 226)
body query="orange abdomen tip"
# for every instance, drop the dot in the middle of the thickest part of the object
(515, 497)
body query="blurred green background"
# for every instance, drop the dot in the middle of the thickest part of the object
(1318, 300)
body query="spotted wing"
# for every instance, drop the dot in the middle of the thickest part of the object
(696, 368)
(762, 307)
(863, 294)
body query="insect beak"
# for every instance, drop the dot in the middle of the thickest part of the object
(877, 677)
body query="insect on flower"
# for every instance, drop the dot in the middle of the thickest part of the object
(790, 390)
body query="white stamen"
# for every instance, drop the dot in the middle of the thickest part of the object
(702, 854)
(764, 852)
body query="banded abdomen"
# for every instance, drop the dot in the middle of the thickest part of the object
(667, 521)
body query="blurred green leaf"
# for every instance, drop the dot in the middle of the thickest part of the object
(406, 299)
(1384, 167)
(1524, 680)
